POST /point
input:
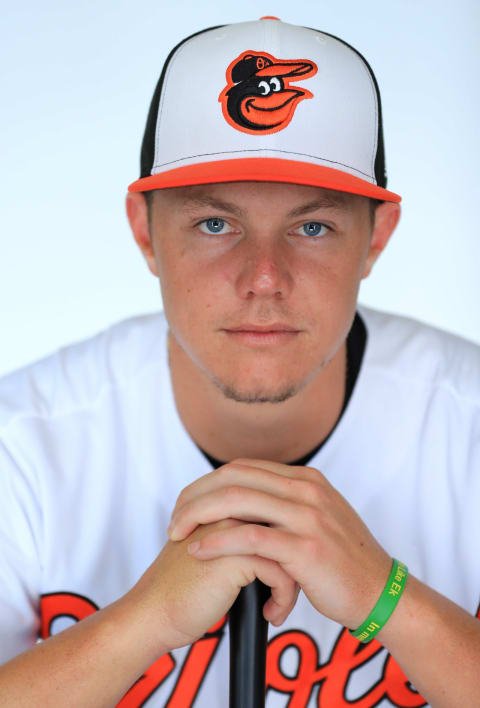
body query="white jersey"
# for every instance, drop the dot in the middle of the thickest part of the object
(93, 455)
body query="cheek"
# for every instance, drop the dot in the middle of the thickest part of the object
(331, 285)
(331, 297)
(189, 291)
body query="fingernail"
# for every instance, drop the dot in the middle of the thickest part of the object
(174, 535)
(193, 547)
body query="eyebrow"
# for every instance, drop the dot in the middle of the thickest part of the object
(191, 203)
(333, 202)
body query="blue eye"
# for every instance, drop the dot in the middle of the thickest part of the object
(214, 225)
(313, 228)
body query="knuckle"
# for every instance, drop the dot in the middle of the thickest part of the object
(240, 461)
(233, 493)
(316, 476)
(237, 492)
(222, 472)
(241, 465)
(312, 493)
(314, 473)
(254, 534)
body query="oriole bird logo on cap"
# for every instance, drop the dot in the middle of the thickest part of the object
(258, 97)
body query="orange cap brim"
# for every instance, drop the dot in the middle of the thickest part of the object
(263, 169)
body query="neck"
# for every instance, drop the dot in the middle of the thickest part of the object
(281, 432)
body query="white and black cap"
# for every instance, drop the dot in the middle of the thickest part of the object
(265, 101)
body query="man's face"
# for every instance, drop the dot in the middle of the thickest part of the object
(230, 255)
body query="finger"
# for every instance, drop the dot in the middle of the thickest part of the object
(283, 585)
(283, 470)
(233, 502)
(249, 539)
(284, 590)
(263, 475)
(275, 612)
(277, 467)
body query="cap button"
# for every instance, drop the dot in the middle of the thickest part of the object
(270, 17)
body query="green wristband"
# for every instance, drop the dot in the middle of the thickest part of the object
(387, 602)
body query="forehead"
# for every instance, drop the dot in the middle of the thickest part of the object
(238, 197)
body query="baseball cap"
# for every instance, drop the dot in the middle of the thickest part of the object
(265, 101)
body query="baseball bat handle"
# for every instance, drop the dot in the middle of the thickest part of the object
(248, 647)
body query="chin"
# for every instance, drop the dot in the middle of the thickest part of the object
(260, 393)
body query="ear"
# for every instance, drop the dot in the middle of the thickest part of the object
(387, 216)
(137, 214)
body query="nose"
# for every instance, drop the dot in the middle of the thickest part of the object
(264, 272)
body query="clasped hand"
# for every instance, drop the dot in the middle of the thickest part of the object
(294, 517)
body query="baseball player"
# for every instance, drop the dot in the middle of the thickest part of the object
(264, 425)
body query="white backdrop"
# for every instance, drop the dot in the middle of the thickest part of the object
(77, 83)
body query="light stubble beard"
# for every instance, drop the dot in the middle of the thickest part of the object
(234, 394)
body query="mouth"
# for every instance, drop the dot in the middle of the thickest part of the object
(273, 327)
(256, 336)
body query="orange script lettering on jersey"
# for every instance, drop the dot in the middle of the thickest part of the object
(331, 678)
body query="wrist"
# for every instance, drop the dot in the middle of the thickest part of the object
(385, 605)
(418, 608)
(141, 628)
